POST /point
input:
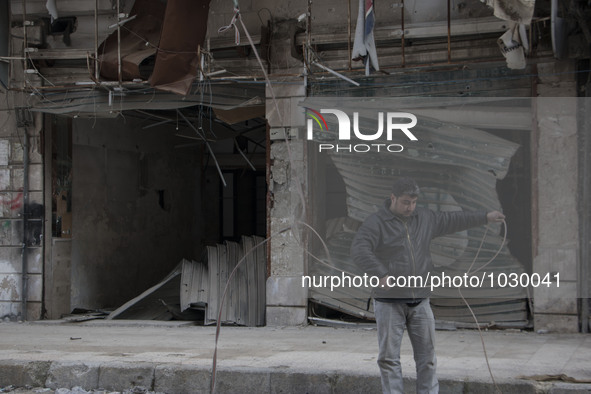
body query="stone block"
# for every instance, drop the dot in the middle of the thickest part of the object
(279, 172)
(451, 386)
(4, 152)
(278, 112)
(239, 381)
(11, 287)
(555, 299)
(286, 316)
(513, 387)
(70, 374)
(558, 89)
(35, 177)
(556, 323)
(295, 153)
(11, 232)
(569, 388)
(295, 89)
(288, 256)
(181, 379)
(123, 376)
(354, 384)
(10, 310)
(34, 310)
(5, 179)
(557, 260)
(298, 117)
(7, 121)
(286, 291)
(23, 373)
(285, 382)
(35, 288)
(11, 260)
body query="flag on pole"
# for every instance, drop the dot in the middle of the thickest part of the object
(364, 46)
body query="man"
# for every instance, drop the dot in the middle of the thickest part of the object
(395, 242)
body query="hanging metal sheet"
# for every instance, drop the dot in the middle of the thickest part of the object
(183, 32)
(139, 40)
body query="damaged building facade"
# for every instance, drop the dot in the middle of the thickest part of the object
(149, 146)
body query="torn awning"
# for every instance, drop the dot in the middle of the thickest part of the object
(173, 31)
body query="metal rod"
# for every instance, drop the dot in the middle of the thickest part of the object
(123, 21)
(585, 213)
(336, 73)
(25, 265)
(534, 137)
(309, 28)
(269, 197)
(243, 155)
(402, 26)
(449, 31)
(96, 65)
(119, 73)
(217, 165)
(349, 35)
(202, 136)
(25, 43)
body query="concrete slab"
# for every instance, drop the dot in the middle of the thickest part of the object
(177, 358)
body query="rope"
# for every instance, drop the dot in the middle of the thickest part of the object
(468, 305)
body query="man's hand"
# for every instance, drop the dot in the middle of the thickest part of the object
(495, 217)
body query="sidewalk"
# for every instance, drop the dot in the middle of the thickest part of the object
(176, 357)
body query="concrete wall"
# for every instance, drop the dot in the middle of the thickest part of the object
(556, 236)
(12, 201)
(136, 209)
(286, 298)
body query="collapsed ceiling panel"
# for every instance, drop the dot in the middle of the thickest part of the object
(108, 103)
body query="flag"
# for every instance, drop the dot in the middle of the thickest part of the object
(364, 46)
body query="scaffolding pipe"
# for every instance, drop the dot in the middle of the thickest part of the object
(349, 35)
(449, 31)
(25, 268)
(119, 43)
(25, 43)
(402, 26)
(585, 211)
(96, 66)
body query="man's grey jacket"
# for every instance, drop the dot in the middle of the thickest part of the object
(387, 244)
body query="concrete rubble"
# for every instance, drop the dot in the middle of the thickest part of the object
(176, 357)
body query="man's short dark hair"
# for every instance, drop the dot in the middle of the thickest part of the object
(406, 186)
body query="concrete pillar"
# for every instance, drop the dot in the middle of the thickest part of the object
(286, 298)
(557, 237)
